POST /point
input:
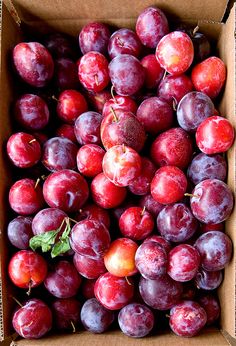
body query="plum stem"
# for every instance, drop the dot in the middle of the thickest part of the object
(32, 141)
(114, 114)
(30, 286)
(191, 195)
(54, 98)
(128, 282)
(143, 211)
(37, 182)
(44, 177)
(174, 103)
(17, 301)
(195, 30)
(164, 76)
(112, 94)
(120, 42)
(73, 219)
(123, 147)
(168, 316)
(96, 79)
(73, 326)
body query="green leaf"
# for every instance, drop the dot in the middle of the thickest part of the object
(44, 240)
(61, 247)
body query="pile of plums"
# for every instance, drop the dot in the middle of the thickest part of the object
(120, 197)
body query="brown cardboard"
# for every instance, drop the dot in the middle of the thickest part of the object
(69, 16)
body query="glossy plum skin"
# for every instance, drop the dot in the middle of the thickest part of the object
(136, 320)
(66, 190)
(59, 153)
(124, 41)
(141, 185)
(175, 52)
(176, 222)
(151, 260)
(27, 269)
(136, 223)
(113, 292)
(24, 198)
(48, 219)
(93, 211)
(151, 26)
(93, 71)
(87, 288)
(183, 262)
(160, 294)
(193, 108)
(23, 150)
(156, 115)
(106, 194)
(168, 185)
(19, 232)
(63, 281)
(152, 206)
(90, 238)
(205, 167)
(59, 45)
(187, 318)
(122, 127)
(33, 63)
(215, 249)
(174, 88)
(153, 71)
(160, 241)
(31, 112)
(66, 311)
(208, 280)
(215, 135)
(65, 74)
(127, 74)
(71, 104)
(33, 320)
(90, 268)
(123, 103)
(98, 99)
(172, 147)
(121, 164)
(212, 307)
(94, 37)
(95, 317)
(209, 76)
(66, 131)
(212, 201)
(89, 160)
(87, 128)
(119, 259)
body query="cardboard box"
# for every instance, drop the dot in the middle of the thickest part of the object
(69, 16)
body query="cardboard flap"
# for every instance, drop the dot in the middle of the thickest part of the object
(29, 10)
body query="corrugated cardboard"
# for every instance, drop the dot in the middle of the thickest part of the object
(69, 16)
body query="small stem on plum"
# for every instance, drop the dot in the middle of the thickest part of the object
(112, 94)
(143, 211)
(29, 290)
(97, 98)
(120, 42)
(73, 326)
(32, 141)
(44, 177)
(54, 98)
(17, 301)
(191, 195)
(123, 147)
(164, 76)
(96, 79)
(168, 316)
(73, 219)
(195, 30)
(37, 182)
(114, 115)
(128, 282)
(174, 103)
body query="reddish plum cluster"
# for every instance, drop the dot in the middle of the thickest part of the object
(120, 173)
